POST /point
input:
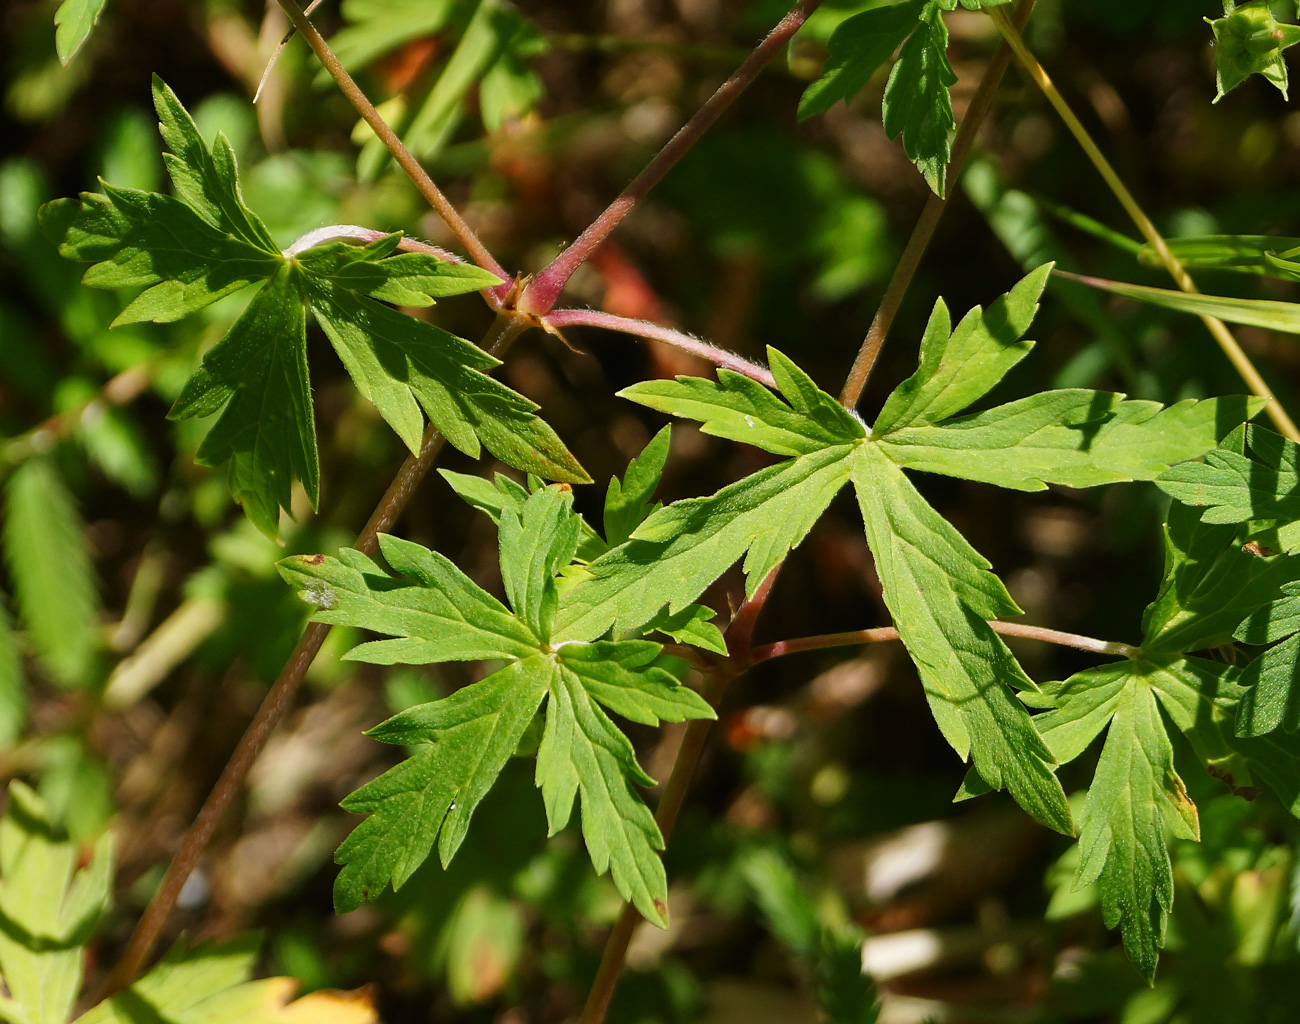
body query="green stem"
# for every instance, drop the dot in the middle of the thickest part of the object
(1218, 329)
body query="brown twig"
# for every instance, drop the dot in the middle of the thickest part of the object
(279, 699)
(926, 224)
(478, 252)
(542, 292)
(739, 637)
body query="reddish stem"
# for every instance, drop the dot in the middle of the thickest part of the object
(419, 176)
(542, 292)
(645, 329)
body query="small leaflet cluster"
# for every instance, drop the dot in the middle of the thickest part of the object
(917, 103)
(437, 614)
(192, 248)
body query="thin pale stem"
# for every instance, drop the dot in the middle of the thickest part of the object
(122, 389)
(356, 233)
(884, 634)
(739, 640)
(279, 700)
(419, 176)
(542, 292)
(923, 232)
(645, 329)
(1218, 329)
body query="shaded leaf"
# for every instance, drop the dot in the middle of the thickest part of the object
(857, 47)
(49, 563)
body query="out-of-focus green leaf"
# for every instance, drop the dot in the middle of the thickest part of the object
(1250, 254)
(1272, 314)
(49, 562)
(73, 23)
(50, 901)
(13, 684)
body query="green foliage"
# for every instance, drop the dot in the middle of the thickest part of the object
(437, 614)
(1247, 254)
(50, 901)
(74, 21)
(49, 562)
(917, 104)
(939, 590)
(203, 243)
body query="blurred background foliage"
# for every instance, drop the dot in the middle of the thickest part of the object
(142, 619)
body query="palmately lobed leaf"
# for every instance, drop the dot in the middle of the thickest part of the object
(958, 367)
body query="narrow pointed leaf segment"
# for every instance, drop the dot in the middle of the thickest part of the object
(201, 243)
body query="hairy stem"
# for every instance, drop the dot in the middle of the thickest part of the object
(356, 233)
(541, 293)
(279, 699)
(857, 638)
(1218, 329)
(419, 176)
(738, 637)
(925, 227)
(645, 329)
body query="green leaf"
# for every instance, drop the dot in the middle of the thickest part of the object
(136, 239)
(1135, 798)
(1215, 576)
(431, 796)
(375, 27)
(190, 250)
(403, 364)
(257, 376)
(677, 552)
(1268, 313)
(1251, 254)
(535, 546)
(917, 105)
(1247, 41)
(741, 409)
(583, 752)
(73, 22)
(50, 902)
(939, 592)
(502, 494)
(1272, 621)
(958, 367)
(627, 678)
(691, 626)
(1232, 487)
(49, 563)
(857, 47)
(437, 611)
(628, 502)
(1272, 699)
(13, 684)
(1076, 438)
